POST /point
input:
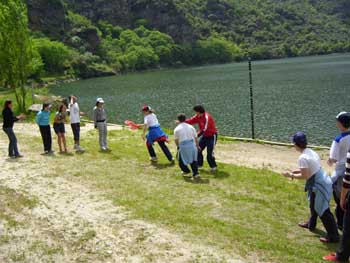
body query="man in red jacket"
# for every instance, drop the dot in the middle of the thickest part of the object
(207, 134)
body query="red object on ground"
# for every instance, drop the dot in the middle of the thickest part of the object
(331, 257)
(132, 125)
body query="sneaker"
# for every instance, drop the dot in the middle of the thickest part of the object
(172, 161)
(304, 225)
(76, 147)
(19, 156)
(79, 148)
(103, 149)
(184, 173)
(331, 257)
(213, 169)
(328, 240)
(154, 159)
(196, 176)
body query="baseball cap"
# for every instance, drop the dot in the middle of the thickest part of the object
(100, 100)
(146, 108)
(344, 118)
(299, 138)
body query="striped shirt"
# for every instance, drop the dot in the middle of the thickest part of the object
(346, 180)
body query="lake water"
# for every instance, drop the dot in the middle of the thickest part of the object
(289, 94)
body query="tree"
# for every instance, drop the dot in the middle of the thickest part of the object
(16, 63)
(55, 55)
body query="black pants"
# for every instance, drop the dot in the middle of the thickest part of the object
(343, 253)
(327, 219)
(164, 148)
(339, 213)
(184, 168)
(45, 132)
(209, 143)
(76, 131)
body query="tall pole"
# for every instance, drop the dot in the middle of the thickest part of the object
(251, 97)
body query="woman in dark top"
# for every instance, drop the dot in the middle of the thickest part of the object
(9, 119)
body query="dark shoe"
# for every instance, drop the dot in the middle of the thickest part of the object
(328, 240)
(19, 156)
(304, 225)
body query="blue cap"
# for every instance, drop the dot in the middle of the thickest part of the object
(299, 139)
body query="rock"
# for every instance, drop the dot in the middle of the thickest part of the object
(48, 17)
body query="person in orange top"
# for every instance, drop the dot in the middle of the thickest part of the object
(207, 133)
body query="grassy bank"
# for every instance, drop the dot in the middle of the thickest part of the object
(253, 213)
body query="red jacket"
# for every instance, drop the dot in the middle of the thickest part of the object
(206, 124)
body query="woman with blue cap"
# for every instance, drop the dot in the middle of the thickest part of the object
(318, 186)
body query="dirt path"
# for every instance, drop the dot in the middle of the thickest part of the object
(275, 158)
(73, 223)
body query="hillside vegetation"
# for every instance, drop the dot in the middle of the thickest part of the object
(97, 37)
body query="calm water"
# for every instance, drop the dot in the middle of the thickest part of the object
(290, 94)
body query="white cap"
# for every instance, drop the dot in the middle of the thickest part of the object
(100, 100)
(340, 113)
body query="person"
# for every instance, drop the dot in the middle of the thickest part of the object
(337, 155)
(343, 252)
(155, 134)
(59, 128)
(187, 143)
(318, 185)
(43, 121)
(100, 122)
(207, 133)
(9, 119)
(75, 113)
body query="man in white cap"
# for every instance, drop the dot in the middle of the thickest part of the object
(100, 122)
(337, 156)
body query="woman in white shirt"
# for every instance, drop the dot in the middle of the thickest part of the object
(319, 188)
(187, 143)
(155, 134)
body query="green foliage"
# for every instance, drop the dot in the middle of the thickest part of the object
(217, 50)
(17, 59)
(83, 35)
(88, 65)
(108, 30)
(55, 55)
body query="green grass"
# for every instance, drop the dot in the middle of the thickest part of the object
(250, 212)
(13, 203)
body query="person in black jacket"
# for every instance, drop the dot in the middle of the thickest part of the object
(9, 119)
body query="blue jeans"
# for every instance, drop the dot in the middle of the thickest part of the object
(13, 150)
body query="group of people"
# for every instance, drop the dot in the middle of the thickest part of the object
(191, 144)
(320, 187)
(43, 121)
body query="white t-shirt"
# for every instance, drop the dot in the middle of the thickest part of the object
(74, 113)
(151, 120)
(339, 148)
(310, 159)
(184, 132)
